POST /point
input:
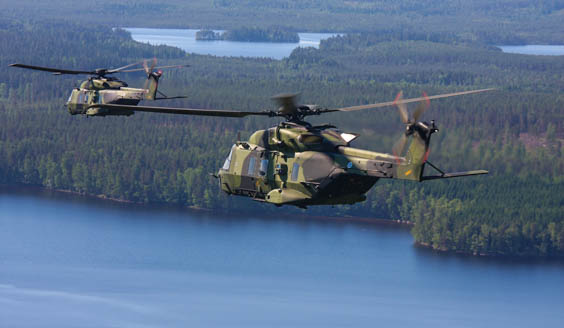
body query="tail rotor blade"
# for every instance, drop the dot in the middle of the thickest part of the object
(153, 63)
(421, 108)
(149, 71)
(399, 146)
(145, 67)
(402, 108)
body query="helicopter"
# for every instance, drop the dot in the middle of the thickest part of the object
(101, 88)
(297, 163)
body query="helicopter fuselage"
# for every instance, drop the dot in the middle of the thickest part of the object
(303, 165)
(103, 91)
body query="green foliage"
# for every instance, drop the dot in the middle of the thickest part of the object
(256, 34)
(208, 35)
(250, 34)
(515, 133)
(497, 22)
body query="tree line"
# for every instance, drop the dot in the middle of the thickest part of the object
(250, 34)
(516, 133)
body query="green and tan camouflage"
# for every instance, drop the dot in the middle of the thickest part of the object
(298, 164)
(110, 91)
(293, 163)
(304, 165)
(101, 89)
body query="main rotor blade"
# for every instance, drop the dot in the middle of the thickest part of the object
(56, 71)
(407, 101)
(120, 69)
(158, 67)
(184, 111)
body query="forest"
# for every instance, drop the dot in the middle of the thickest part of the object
(493, 22)
(250, 34)
(516, 132)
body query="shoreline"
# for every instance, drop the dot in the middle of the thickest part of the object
(487, 256)
(391, 223)
(367, 220)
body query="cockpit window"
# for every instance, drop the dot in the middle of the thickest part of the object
(263, 167)
(227, 163)
(82, 98)
(252, 162)
(295, 171)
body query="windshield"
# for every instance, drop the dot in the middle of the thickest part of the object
(227, 163)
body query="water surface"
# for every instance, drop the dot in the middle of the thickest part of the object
(68, 261)
(185, 39)
(535, 49)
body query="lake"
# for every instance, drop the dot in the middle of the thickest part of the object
(534, 49)
(185, 39)
(68, 261)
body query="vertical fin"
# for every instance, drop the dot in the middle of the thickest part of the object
(153, 80)
(417, 154)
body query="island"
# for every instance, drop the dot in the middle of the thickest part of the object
(250, 34)
(208, 35)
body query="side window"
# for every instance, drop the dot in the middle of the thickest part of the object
(82, 98)
(263, 167)
(227, 163)
(295, 171)
(252, 162)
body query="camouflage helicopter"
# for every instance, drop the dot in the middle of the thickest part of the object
(103, 89)
(297, 163)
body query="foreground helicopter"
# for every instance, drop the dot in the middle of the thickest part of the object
(296, 163)
(100, 88)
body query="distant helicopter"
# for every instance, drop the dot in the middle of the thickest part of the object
(296, 163)
(103, 89)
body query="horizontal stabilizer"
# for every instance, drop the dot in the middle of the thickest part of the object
(454, 175)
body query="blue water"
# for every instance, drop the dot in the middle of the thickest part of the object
(68, 261)
(535, 49)
(185, 39)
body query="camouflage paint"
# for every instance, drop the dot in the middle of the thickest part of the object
(313, 166)
(109, 91)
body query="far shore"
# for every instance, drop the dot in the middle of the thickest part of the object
(368, 220)
(294, 216)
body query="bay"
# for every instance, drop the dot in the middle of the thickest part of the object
(185, 39)
(68, 261)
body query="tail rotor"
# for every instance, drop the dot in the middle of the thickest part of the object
(152, 82)
(412, 125)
